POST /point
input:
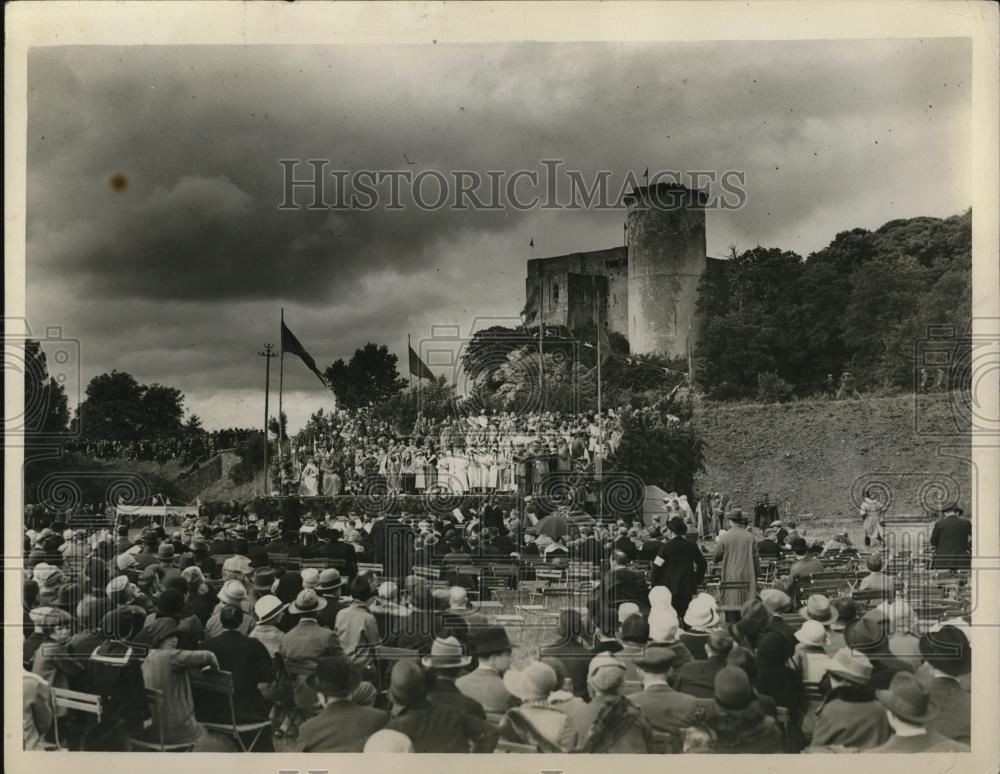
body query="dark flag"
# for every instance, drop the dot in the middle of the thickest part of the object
(291, 345)
(418, 368)
(530, 312)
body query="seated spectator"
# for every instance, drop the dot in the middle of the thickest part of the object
(53, 662)
(666, 710)
(249, 663)
(810, 654)
(562, 697)
(947, 657)
(535, 721)
(634, 636)
(874, 580)
(847, 612)
(868, 635)
(388, 741)
(485, 683)
(307, 641)
(664, 629)
(782, 684)
(610, 723)
(805, 564)
(697, 678)
(342, 725)
(116, 676)
(701, 619)
(849, 715)
(733, 722)
(37, 711)
(233, 592)
(445, 664)
(355, 626)
(432, 728)
(268, 611)
(744, 659)
(201, 599)
(165, 669)
(909, 710)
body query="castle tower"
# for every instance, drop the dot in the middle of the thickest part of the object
(666, 258)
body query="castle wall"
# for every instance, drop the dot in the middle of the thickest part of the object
(566, 300)
(665, 264)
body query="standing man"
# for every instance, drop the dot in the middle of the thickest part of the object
(737, 551)
(951, 540)
(765, 512)
(872, 513)
(679, 565)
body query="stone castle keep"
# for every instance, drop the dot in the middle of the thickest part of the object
(646, 290)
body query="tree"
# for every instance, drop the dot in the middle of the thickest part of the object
(162, 411)
(46, 408)
(250, 450)
(666, 454)
(112, 409)
(487, 350)
(369, 377)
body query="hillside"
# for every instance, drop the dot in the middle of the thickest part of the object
(815, 457)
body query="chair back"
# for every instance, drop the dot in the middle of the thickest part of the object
(494, 718)
(505, 746)
(63, 698)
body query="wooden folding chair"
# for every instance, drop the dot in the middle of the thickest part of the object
(318, 564)
(664, 743)
(221, 684)
(63, 698)
(494, 718)
(372, 567)
(155, 699)
(277, 560)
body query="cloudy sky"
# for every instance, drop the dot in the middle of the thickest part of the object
(179, 277)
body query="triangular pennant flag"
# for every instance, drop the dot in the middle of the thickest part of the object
(291, 344)
(418, 368)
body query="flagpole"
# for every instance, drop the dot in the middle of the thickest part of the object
(409, 370)
(541, 342)
(599, 460)
(281, 387)
(268, 353)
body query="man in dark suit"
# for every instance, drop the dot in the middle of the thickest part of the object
(447, 662)
(622, 584)
(697, 678)
(951, 540)
(947, 657)
(765, 512)
(342, 725)
(336, 550)
(568, 649)
(680, 566)
(250, 664)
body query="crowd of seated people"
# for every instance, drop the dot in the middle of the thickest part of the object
(333, 636)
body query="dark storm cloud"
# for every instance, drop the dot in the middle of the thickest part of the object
(179, 276)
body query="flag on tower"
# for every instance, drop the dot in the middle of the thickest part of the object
(530, 312)
(418, 367)
(291, 344)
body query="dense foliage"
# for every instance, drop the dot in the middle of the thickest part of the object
(861, 304)
(370, 377)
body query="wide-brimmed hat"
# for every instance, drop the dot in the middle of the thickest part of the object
(853, 667)
(407, 684)
(736, 516)
(775, 600)
(263, 579)
(446, 653)
(307, 601)
(334, 676)
(952, 509)
(535, 681)
(267, 607)
(867, 633)
(702, 612)
(677, 526)
(812, 633)
(818, 608)
(732, 688)
(238, 564)
(657, 658)
(232, 593)
(908, 699)
(329, 580)
(947, 650)
(490, 640)
(165, 552)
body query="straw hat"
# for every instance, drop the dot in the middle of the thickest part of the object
(818, 608)
(446, 653)
(812, 633)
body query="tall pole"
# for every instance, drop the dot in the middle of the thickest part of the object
(409, 371)
(281, 425)
(599, 461)
(541, 343)
(267, 353)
